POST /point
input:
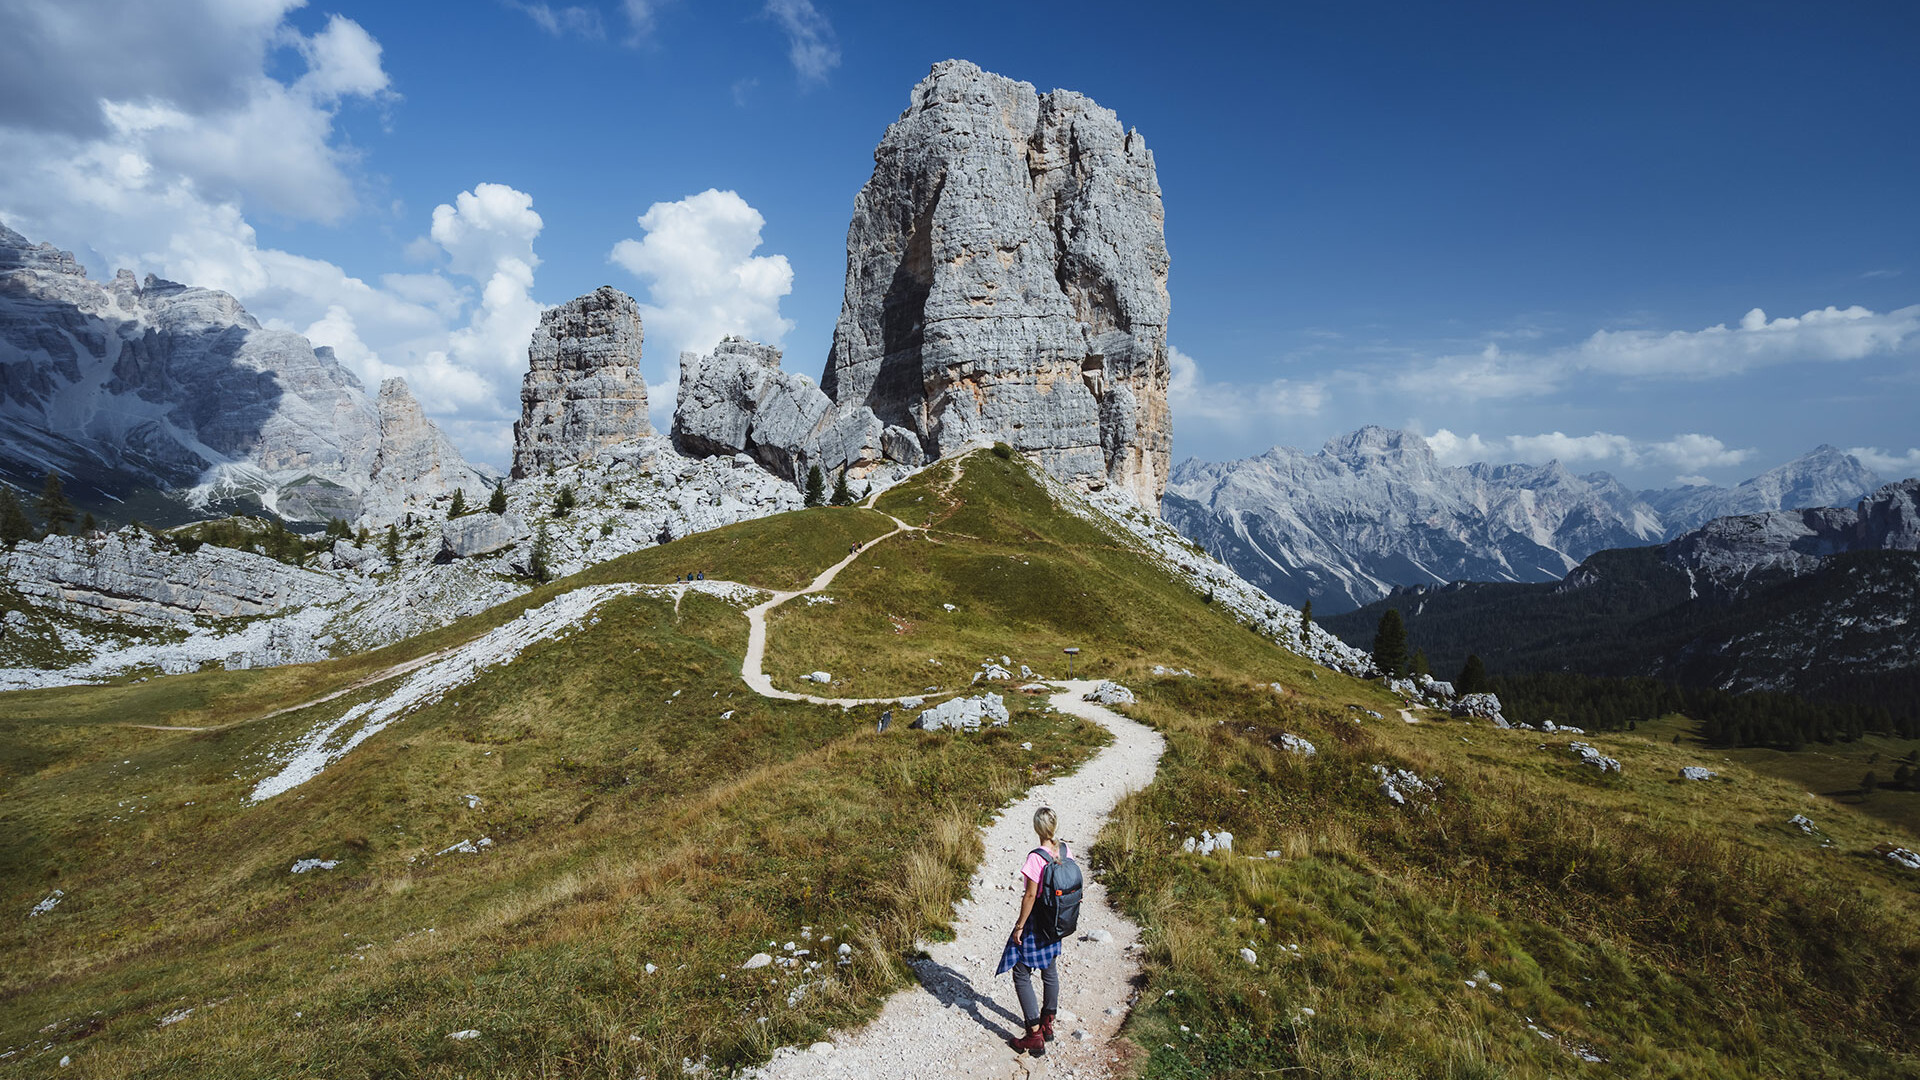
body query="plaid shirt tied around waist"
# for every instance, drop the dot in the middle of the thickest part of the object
(1028, 951)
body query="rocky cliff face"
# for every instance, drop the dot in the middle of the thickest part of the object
(127, 578)
(134, 386)
(583, 391)
(1006, 280)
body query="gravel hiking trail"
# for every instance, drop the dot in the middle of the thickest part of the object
(956, 1023)
(751, 668)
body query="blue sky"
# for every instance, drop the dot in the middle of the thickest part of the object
(1524, 230)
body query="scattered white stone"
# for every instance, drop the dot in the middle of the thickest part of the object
(728, 715)
(1249, 956)
(1026, 746)
(473, 801)
(463, 1036)
(912, 702)
(1165, 671)
(1801, 822)
(844, 949)
(1109, 693)
(993, 672)
(46, 905)
(1695, 772)
(1590, 756)
(964, 713)
(1400, 785)
(651, 969)
(1900, 856)
(818, 599)
(304, 865)
(1294, 744)
(819, 677)
(174, 1017)
(1208, 842)
(757, 960)
(1480, 707)
(949, 607)
(1098, 935)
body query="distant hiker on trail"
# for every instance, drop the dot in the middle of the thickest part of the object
(1049, 912)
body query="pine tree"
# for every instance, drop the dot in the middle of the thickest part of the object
(498, 503)
(391, 546)
(1420, 665)
(1869, 782)
(1390, 644)
(88, 525)
(841, 496)
(360, 538)
(816, 486)
(1306, 622)
(14, 526)
(867, 492)
(564, 502)
(537, 557)
(1472, 678)
(56, 513)
(459, 504)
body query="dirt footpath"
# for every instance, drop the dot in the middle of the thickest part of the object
(957, 1021)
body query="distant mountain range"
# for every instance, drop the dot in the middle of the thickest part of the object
(168, 402)
(1375, 510)
(1820, 601)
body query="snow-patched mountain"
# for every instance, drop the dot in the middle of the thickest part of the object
(1374, 510)
(172, 398)
(1825, 476)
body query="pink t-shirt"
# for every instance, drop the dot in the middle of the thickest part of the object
(1036, 865)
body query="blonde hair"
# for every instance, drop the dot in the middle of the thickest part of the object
(1044, 822)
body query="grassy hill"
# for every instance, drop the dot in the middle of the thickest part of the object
(645, 809)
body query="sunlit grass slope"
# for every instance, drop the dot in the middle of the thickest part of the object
(1665, 927)
(643, 808)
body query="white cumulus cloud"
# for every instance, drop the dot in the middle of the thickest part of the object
(1888, 463)
(703, 279)
(1232, 405)
(1688, 453)
(1824, 335)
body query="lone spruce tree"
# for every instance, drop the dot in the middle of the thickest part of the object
(1473, 677)
(390, 547)
(56, 513)
(841, 496)
(816, 486)
(497, 504)
(1390, 645)
(459, 504)
(1306, 622)
(14, 526)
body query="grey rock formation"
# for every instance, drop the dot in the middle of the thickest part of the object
(738, 401)
(132, 386)
(415, 457)
(479, 534)
(583, 390)
(1006, 281)
(131, 579)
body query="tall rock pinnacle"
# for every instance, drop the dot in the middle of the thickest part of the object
(583, 390)
(1007, 280)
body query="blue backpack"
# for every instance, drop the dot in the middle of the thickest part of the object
(1056, 914)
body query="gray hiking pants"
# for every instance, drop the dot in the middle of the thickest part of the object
(1049, 982)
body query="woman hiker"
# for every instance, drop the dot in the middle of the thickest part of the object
(1028, 951)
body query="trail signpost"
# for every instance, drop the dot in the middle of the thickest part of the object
(1071, 653)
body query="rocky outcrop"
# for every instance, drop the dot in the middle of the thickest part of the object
(131, 579)
(738, 401)
(583, 391)
(1006, 281)
(479, 534)
(131, 386)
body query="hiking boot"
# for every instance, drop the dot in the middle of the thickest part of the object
(1046, 1024)
(1032, 1042)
